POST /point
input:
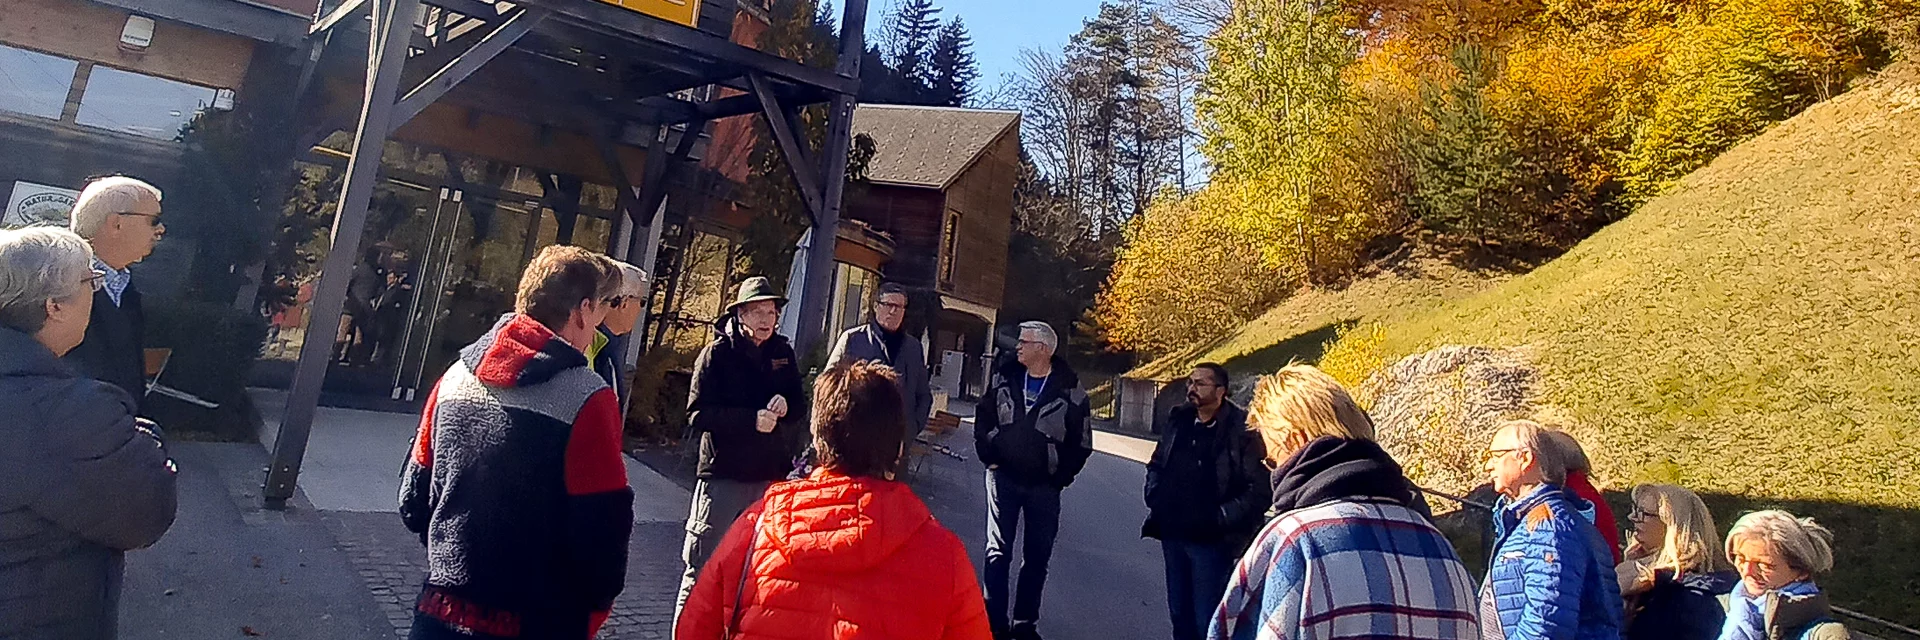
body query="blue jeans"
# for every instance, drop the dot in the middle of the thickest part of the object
(1006, 501)
(1197, 576)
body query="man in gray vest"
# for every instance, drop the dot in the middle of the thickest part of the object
(120, 218)
(885, 340)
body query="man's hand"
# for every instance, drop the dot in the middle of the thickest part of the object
(765, 421)
(778, 405)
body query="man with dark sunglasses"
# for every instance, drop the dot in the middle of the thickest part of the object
(120, 219)
(623, 312)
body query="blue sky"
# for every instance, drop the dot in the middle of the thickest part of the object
(1001, 28)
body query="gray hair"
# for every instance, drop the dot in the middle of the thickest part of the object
(39, 264)
(1570, 452)
(1805, 545)
(1045, 331)
(1547, 455)
(633, 281)
(105, 197)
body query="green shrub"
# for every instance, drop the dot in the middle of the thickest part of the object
(214, 348)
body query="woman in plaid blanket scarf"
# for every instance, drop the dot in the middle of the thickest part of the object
(1346, 553)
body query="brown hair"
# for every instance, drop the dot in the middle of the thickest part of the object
(560, 278)
(859, 419)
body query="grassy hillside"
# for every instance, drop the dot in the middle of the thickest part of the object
(1301, 327)
(1754, 334)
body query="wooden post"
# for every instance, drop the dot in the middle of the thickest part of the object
(387, 53)
(817, 292)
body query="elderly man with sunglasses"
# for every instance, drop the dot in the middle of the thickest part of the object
(119, 217)
(623, 311)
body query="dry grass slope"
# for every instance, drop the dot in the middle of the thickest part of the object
(1753, 334)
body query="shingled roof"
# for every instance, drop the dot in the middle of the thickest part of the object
(927, 146)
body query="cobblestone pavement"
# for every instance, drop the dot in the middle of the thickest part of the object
(392, 562)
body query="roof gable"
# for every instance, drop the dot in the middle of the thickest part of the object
(927, 146)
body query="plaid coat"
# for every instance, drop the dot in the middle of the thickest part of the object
(1348, 569)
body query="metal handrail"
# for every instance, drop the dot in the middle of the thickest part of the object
(1839, 610)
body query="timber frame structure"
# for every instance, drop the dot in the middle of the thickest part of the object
(595, 69)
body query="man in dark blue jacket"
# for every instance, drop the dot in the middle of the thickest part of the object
(1207, 492)
(1031, 431)
(1551, 575)
(120, 218)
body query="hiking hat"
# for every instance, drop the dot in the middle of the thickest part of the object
(755, 289)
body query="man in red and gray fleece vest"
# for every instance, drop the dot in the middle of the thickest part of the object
(516, 482)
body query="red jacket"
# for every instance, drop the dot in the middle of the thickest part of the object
(838, 557)
(1602, 514)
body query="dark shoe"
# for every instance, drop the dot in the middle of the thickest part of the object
(1026, 633)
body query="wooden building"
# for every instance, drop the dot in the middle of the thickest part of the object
(942, 183)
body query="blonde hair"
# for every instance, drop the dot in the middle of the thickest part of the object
(1688, 545)
(105, 198)
(1806, 546)
(1299, 404)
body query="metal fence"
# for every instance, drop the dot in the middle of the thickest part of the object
(1486, 510)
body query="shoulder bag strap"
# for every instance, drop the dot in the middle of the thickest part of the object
(740, 591)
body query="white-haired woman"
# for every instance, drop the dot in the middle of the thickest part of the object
(1674, 574)
(1778, 556)
(80, 482)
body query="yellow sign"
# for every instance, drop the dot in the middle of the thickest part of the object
(685, 12)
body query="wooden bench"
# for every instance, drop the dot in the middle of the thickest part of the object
(940, 427)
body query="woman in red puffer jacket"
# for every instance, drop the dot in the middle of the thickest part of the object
(847, 553)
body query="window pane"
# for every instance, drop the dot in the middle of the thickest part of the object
(140, 104)
(34, 84)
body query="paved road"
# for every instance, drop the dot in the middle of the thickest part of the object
(1105, 581)
(340, 565)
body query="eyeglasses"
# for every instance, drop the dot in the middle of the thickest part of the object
(615, 301)
(152, 216)
(97, 281)
(1493, 454)
(890, 306)
(1196, 384)
(1641, 515)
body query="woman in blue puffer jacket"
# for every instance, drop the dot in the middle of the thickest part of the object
(1551, 575)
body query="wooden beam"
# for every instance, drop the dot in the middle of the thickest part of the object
(254, 21)
(640, 28)
(465, 65)
(391, 18)
(799, 160)
(348, 9)
(816, 294)
(481, 9)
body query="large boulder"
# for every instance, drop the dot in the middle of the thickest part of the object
(1436, 411)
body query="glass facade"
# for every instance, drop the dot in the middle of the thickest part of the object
(33, 83)
(140, 104)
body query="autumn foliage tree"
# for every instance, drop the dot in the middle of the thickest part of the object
(1330, 124)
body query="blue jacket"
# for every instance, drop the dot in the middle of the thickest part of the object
(1551, 576)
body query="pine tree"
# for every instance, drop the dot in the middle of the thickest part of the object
(911, 30)
(953, 70)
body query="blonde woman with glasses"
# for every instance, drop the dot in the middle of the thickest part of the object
(1673, 576)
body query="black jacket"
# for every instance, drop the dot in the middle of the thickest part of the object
(113, 351)
(80, 484)
(1048, 445)
(1241, 483)
(1687, 608)
(733, 379)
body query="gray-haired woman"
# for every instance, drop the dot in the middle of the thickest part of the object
(80, 482)
(1777, 556)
